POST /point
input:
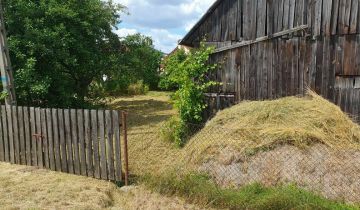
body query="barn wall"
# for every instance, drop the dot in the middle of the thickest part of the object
(238, 20)
(330, 65)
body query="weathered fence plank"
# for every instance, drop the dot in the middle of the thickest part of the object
(22, 135)
(103, 165)
(69, 151)
(75, 141)
(56, 139)
(88, 142)
(2, 142)
(5, 134)
(28, 138)
(33, 137)
(44, 134)
(62, 140)
(16, 134)
(84, 142)
(80, 123)
(39, 138)
(110, 144)
(116, 124)
(95, 140)
(50, 140)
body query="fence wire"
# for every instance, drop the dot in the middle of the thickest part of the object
(230, 161)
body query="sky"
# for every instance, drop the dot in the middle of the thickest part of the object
(166, 21)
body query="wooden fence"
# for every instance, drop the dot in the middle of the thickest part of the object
(82, 142)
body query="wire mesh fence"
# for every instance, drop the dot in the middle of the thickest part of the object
(235, 158)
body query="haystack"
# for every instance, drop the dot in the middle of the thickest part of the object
(306, 141)
(251, 127)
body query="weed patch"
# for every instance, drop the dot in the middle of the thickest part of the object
(198, 188)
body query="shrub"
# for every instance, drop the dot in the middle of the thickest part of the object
(189, 73)
(139, 88)
(174, 131)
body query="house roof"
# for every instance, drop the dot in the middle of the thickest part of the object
(201, 21)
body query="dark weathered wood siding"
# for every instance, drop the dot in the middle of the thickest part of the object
(238, 20)
(325, 58)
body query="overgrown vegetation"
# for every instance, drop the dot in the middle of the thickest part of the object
(188, 72)
(200, 189)
(62, 50)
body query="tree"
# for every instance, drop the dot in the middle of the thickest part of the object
(138, 61)
(60, 47)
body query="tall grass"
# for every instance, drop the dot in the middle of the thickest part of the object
(197, 188)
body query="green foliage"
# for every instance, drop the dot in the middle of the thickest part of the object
(198, 188)
(174, 131)
(138, 61)
(3, 95)
(59, 48)
(139, 88)
(189, 73)
(170, 63)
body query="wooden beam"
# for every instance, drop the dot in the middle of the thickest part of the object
(261, 39)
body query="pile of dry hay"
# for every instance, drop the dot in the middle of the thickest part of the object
(306, 141)
(251, 127)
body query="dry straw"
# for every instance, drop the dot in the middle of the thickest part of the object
(262, 125)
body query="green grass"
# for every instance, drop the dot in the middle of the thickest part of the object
(200, 189)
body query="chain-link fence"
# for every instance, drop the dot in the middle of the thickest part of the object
(238, 157)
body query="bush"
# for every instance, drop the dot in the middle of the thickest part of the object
(174, 131)
(139, 88)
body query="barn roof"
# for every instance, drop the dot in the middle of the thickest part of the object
(201, 21)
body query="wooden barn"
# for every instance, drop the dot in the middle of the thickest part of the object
(274, 48)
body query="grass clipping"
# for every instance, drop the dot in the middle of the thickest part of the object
(255, 126)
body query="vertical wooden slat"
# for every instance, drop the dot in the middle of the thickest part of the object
(116, 127)
(28, 138)
(334, 16)
(332, 75)
(33, 137)
(22, 136)
(69, 150)
(286, 15)
(2, 140)
(326, 68)
(88, 142)
(103, 165)
(39, 139)
(56, 139)
(239, 21)
(75, 142)
(110, 144)
(344, 16)
(319, 66)
(82, 155)
(62, 140)
(5, 133)
(50, 139)
(261, 18)
(326, 17)
(16, 142)
(292, 13)
(45, 143)
(95, 141)
(318, 16)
